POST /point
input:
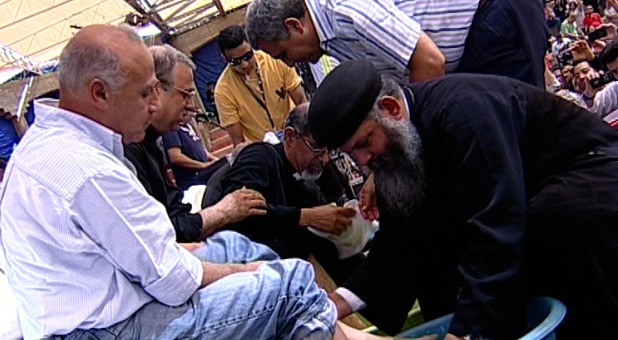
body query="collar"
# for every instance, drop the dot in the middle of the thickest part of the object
(49, 115)
(321, 22)
(408, 98)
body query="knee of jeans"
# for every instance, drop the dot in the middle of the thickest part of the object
(296, 275)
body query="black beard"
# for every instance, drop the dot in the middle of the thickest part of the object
(400, 174)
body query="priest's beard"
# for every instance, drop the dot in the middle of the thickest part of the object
(400, 173)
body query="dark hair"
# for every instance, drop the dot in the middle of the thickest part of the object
(231, 37)
(609, 53)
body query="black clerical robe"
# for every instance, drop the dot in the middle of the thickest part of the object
(522, 199)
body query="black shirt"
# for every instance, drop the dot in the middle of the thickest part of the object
(150, 163)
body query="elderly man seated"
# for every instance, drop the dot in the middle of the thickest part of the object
(89, 253)
(284, 175)
(174, 70)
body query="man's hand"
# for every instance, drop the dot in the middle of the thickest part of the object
(367, 200)
(611, 31)
(216, 271)
(343, 308)
(327, 218)
(191, 246)
(581, 51)
(241, 204)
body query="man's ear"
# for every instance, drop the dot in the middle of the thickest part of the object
(288, 136)
(99, 93)
(294, 25)
(390, 108)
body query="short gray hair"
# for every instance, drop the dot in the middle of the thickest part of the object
(298, 119)
(79, 64)
(390, 87)
(165, 59)
(265, 19)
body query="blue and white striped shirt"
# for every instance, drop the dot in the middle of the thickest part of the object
(82, 242)
(386, 31)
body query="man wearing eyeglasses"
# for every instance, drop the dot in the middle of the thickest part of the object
(174, 70)
(255, 92)
(283, 174)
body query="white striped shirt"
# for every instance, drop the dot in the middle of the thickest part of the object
(386, 31)
(83, 243)
(606, 100)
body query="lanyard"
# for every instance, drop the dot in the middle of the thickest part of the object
(262, 100)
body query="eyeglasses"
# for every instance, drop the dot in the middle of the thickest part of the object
(237, 61)
(316, 151)
(186, 95)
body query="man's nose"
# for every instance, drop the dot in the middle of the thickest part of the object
(362, 158)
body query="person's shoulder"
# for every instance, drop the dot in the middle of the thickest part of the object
(271, 64)
(64, 167)
(258, 151)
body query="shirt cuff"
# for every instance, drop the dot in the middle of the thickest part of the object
(181, 281)
(354, 301)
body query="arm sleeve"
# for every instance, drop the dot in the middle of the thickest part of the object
(606, 101)
(188, 226)
(137, 236)
(478, 146)
(382, 28)
(252, 169)
(226, 107)
(290, 77)
(171, 140)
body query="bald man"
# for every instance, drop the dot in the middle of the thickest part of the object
(89, 253)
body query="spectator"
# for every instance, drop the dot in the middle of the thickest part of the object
(486, 167)
(11, 131)
(89, 253)
(255, 92)
(611, 12)
(281, 173)
(507, 37)
(569, 28)
(592, 20)
(174, 71)
(190, 162)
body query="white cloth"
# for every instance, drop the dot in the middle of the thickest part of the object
(83, 244)
(354, 238)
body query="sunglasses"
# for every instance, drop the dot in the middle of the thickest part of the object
(237, 61)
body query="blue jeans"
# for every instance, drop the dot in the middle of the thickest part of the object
(278, 301)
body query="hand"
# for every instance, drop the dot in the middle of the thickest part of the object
(343, 308)
(253, 266)
(327, 218)
(581, 51)
(367, 200)
(191, 246)
(450, 336)
(241, 204)
(611, 31)
(590, 91)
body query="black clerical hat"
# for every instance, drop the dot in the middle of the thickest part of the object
(343, 101)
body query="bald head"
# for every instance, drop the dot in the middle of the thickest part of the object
(107, 74)
(95, 52)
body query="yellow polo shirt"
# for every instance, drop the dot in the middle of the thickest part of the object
(235, 103)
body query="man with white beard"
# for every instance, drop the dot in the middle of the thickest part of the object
(283, 174)
(489, 191)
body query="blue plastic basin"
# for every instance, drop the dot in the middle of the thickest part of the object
(543, 315)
